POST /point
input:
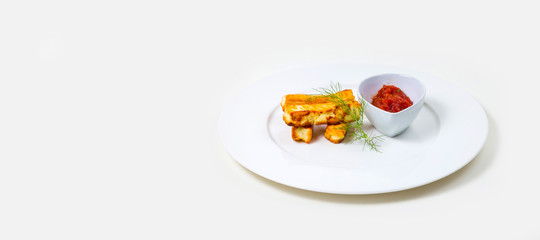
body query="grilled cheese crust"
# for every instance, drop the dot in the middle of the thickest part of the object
(303, 110)
(336, 133)
(302, 134)
(293, 99)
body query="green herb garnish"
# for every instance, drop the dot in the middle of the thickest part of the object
(354, 128)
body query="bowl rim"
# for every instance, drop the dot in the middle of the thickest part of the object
(421, 99)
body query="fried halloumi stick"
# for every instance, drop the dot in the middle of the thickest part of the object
(302, 134)
(291, 99)
(336, 133)
(304, 110)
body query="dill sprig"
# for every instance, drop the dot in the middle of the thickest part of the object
(354, 128)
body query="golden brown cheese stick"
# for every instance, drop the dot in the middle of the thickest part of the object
(292, 99)
(307, 114)
(304, 110)
(336, 133)
(302, 134)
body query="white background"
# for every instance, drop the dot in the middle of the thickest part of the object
(109, 109)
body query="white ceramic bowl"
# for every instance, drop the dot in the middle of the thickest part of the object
(392, 124)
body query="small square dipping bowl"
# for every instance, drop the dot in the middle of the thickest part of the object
(392, 124)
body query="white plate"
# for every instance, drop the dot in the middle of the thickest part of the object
(447, 134)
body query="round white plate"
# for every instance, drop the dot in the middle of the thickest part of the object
(447, 134)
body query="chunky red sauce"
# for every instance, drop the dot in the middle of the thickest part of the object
(391, 99)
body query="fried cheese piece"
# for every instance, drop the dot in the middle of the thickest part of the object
(336, 133)
(291, 99)
(302, 110)
(302, 133)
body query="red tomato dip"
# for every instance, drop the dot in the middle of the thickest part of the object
(391, 99)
